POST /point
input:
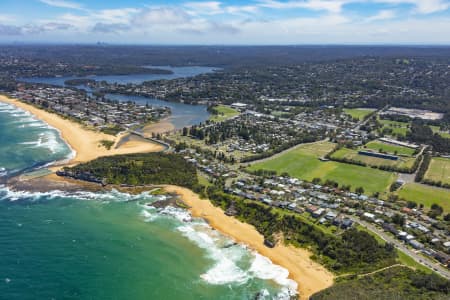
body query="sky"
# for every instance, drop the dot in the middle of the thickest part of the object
(246, 22)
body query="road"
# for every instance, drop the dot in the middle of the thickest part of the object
(437, 267)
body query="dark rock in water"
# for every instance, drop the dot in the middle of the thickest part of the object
(169, 201)
(230, 245)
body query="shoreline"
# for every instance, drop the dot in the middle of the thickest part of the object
(160, 127)
(310, 276)
(85, 143)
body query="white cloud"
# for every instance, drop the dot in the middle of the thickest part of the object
(77, 21)
(421, 6)
(382, 15)
(217, 22)
(62, 4)
(7, 18)
(204, 8)
(210, 8)
(244, 9)
(334, 6)
(114, 15)
(162, 15)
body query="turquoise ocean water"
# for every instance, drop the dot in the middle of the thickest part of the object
(112, 245)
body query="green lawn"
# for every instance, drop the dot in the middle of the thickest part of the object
(202, 179)
(409, 261)
(441, 133)
(426, 195)
(439, 170)
(358, 113)
(392, 149)
(303, 162)
(398, 128)
(402, 162)
(222, 113)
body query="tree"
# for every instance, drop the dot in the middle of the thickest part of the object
(411, 204)
(447, 217)
(359, 190)
(398, 219)
(435, 211)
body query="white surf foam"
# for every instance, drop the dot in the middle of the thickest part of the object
(263, 268)
(148, 217)
(178, 213)
(48, 139)
(7, 194)
(227, 267)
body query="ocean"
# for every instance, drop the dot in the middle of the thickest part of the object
(111, 245)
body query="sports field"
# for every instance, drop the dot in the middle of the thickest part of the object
(358, 113)
(389, 148)
(439, 170)
(426, 195)
(398, 128)
(222, 113)
(402, 162)
(303, 163)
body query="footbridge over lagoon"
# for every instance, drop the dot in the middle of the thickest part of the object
(167, 147)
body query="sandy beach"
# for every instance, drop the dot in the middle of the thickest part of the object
(85, 142)
(162, 126)
(310, 276)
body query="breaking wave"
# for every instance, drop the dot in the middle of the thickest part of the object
(233, 262)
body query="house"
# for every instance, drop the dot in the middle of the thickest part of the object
(442, 257)
(369, 216)
(239, 106)
(346, 223)
(409, 237)
(318, 212)
(415, 244)
(402, 235)
(330, 215)
(311, 208)
(390, 228)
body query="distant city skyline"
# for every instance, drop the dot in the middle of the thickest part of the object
(250, 22)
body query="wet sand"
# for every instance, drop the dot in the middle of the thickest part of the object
(162, 126)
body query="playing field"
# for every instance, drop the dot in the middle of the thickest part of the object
(223, 113)
(439, 170)
(389, 148)
(441, 133)
(398, 128)
(358, 113)
(426, 195)
(402, 162)
(303, 162)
